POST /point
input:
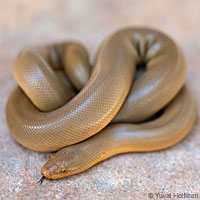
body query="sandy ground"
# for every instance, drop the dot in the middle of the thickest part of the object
(128, 176)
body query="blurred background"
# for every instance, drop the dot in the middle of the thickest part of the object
(128, 176)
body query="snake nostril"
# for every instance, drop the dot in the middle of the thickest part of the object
(45, 171)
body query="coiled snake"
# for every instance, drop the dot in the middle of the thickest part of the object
(50, 111)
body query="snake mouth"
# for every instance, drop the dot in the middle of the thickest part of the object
(53, 176)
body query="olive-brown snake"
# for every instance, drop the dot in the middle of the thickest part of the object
(52, 111)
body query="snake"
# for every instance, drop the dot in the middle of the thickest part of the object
(132, 99)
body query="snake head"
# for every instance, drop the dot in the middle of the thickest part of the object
(55, 168)
(66, 162)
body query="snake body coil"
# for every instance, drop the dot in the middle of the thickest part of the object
(52, 111)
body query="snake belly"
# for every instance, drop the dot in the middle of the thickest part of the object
(90, 114)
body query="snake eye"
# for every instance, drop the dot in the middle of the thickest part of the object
(63, 170)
